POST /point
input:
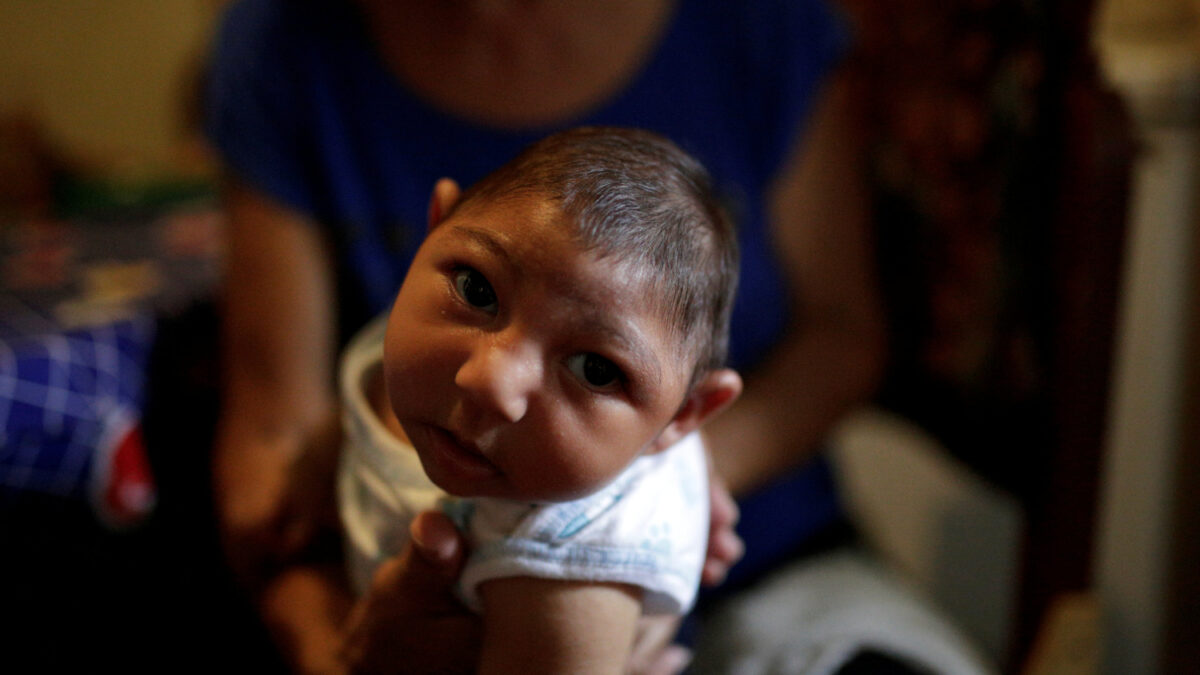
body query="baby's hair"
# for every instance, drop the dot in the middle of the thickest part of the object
(634, 194)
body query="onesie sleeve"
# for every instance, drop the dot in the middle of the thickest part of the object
(648, 528)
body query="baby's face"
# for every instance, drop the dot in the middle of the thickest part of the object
(522, 367)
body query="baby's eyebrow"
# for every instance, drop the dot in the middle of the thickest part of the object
(488, 241)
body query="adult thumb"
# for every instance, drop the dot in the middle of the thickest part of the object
(438, 543)
(410, 621)
(423, 575)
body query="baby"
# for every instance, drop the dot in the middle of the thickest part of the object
(557, 343)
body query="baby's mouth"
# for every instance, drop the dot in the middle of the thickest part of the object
(464, 457)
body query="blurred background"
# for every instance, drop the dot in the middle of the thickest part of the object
(1032, 461)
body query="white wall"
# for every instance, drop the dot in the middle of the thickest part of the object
(1151, 53)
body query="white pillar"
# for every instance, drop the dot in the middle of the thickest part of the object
(1150, 52)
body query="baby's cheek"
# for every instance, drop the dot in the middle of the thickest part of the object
(562, 473)
(403, 383)
(596, 467)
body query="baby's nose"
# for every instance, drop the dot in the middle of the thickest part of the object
(500, 375)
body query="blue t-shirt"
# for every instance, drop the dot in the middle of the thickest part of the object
(301, 107)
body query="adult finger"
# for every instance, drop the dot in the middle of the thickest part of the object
(725, 547)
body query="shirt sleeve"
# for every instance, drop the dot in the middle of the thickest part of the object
(253, 108)
(794, 45)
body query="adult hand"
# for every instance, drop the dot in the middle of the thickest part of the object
(410, 621)
(725, 547)
(275, 505)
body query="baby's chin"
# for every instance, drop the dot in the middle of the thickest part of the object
(502, 490)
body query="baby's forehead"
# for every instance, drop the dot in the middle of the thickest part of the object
(607, 273)
(629, 289)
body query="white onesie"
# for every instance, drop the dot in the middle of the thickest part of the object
(647, 528)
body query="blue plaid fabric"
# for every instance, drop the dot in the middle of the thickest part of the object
(65, 397)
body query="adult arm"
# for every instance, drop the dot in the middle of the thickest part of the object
(832, 355)
(278, 426)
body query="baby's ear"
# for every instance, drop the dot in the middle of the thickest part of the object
(712, 394)
(445, 195)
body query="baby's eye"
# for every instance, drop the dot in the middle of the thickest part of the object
(474, 288)
(594, 370)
